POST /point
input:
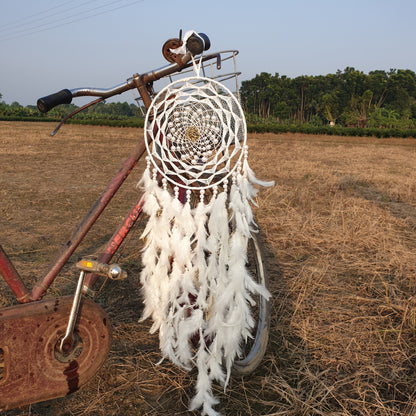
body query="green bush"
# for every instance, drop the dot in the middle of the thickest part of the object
(258, 127)
(335, 131)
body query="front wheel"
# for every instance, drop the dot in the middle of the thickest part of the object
(255, 348)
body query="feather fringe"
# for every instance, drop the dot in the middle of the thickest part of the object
(194, 278)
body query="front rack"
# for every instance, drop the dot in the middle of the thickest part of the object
(221, 67)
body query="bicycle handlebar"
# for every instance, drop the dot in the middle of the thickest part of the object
(65, 96)
(195, 44)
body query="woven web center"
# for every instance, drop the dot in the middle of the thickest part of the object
(192, 134)
(195, 131)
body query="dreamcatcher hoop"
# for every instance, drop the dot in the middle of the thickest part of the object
(195, 133)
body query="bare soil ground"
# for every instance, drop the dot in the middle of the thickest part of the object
(339, 229)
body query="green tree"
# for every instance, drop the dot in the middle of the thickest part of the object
(401, 93)
(256, 94)
(330, 106)
(359, 109)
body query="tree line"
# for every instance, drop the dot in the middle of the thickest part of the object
(102, 110)
(349, 98)
(379, 99)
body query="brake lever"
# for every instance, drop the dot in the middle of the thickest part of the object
(78, 110)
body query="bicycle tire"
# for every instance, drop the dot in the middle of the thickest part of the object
(255, 348)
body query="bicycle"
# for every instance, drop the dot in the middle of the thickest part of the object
(52, 347)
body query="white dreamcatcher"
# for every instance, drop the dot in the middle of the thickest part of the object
(198, 188)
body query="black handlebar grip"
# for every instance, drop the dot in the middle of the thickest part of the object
(50, 101)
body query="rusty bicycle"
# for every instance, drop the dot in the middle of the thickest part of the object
(50, 347)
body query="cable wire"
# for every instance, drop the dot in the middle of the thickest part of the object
(28, 20)
(63, 21)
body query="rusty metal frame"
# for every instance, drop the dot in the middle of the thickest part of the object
(14, 280)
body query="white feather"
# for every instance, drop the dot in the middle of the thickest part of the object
(204, 397)
(188, 326)
(190, 254)
(252, 177)
(247, 196)
(218, 228)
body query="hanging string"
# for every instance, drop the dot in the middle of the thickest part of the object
(196, 66)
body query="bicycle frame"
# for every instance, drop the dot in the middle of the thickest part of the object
(69, 337)
(143, 84)
(12, 277)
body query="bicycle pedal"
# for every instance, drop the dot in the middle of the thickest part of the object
(112, 271)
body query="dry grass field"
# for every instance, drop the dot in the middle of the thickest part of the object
(339, 230)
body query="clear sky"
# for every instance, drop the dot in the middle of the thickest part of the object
(48, 45)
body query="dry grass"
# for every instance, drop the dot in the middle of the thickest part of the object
(341, 222)
(340, 234)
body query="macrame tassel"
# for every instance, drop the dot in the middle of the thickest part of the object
(168, 338)
(218, 247)
(151, 250)
(238, 320)
(182, 321)
(240, 213)
(200, 214)
(218, 230)
(209, 357)
(211, 284)
(165, 275)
